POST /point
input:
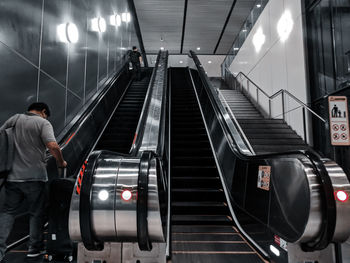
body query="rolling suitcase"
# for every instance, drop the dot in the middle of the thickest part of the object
(59, 246)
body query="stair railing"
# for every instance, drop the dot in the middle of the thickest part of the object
(244, 84)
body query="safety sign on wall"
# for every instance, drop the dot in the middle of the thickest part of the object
(338, 120)
(264, 175)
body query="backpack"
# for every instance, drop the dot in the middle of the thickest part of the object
(134, 56)
(7, 149)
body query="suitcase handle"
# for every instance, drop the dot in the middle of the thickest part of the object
(62, 172)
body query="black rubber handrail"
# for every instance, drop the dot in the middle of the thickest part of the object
(142, 203)
(89, 240)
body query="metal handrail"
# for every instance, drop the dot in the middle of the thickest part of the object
(281, 92)
(143, 115)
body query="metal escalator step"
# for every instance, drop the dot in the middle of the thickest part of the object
(212, 246)
(252, 136)
(203, 229)
(267, 131)
(207, 236)
(275, 141)
(205, 182)
(207, 257)
(201, 219)
(197, 194)
(209, 207)
(262, 121)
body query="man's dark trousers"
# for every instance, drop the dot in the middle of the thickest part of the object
(136, 70)
(16, 193)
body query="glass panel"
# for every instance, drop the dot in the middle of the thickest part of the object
(244, 31)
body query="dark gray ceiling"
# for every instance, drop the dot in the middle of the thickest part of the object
(203, 24)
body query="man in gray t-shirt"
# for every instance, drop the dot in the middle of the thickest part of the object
(33, 134)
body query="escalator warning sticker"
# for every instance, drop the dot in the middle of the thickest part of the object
(264, 177)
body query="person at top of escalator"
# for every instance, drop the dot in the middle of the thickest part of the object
(33, 134)
(136, 60)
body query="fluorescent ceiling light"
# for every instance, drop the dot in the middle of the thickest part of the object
(198, 48)
(259, 39)
(209, 61)
(68, 33)
(181, 62)
(258, 5)
(285, 25)
(161, 48)
(236, 48)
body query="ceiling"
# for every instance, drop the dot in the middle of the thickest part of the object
(181, 25)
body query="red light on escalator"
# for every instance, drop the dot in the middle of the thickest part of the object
(341, 196)
(126, 195)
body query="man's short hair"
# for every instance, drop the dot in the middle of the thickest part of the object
(40, 106)
(134, 47)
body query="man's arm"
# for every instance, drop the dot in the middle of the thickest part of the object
(56, 152)
(48, 137)
(140, 58)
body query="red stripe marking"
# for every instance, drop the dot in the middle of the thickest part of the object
(70, 138)
(133, 142)
(78, 190)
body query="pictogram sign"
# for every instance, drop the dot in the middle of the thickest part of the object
(339, 120)
(264, 175)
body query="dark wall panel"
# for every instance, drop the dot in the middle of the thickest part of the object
(69, 73)
(54, 95)
(20, 23)
(16, 92)
(54, 53)
(73, 106)
(77, 52)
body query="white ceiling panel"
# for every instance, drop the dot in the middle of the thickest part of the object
(160, 19)
(161, 23)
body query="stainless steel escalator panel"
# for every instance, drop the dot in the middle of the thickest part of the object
(103, 197)
(340, 182)
(126, 206)
(114, 194)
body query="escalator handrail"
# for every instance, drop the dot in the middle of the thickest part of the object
(144, 113)
(328, 226)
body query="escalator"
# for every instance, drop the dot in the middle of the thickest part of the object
(118, 135)
(202, 226)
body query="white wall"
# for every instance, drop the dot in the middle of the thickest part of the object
(212, 69)
(279, 64)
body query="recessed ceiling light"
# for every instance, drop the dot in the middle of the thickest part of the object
(181, 62)
(209, 61)
(244, 30)
(236, 48)
(198, 48)
(161, 48)
(258, 5)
